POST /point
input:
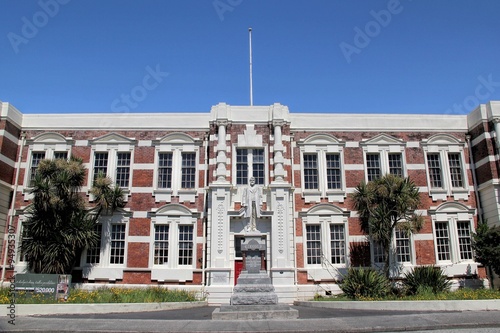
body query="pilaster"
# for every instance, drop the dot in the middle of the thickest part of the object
(282, 251)
(219, 265)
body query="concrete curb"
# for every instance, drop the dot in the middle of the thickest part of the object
(466, 305)
(51, 309)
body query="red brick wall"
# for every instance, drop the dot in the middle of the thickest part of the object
(413, 155)
(425, 252)
(8, 148)
(136, 278)
(138, 255)
(139, 227)
(300, 255)
(145, 202)
(144, 154)
(302, 277)
(142, 178)
(7, 173)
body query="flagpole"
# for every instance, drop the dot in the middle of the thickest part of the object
(251, 83)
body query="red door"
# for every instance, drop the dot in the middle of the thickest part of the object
(238, 267)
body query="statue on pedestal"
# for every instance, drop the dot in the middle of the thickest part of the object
(252, 202)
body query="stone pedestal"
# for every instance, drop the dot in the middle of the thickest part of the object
(253, 296)
(254, 286)
(254, 289)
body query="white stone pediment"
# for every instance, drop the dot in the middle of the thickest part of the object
(113, 138)
(321, 139)
(383, 140)
(452, 207)
(326, 209)
(173, 210)
(442, 139)
(176, 138)
(49, 137)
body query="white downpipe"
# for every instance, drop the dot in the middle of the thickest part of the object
(13, 204)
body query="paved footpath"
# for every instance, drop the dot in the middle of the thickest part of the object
(310, 320)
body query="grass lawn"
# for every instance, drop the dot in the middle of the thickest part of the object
(104, 295)
(459, 294)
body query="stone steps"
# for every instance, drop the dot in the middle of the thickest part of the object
(254, 312)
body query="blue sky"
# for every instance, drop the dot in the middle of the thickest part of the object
(336, 56)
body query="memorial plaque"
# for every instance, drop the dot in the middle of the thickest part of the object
(253, 261)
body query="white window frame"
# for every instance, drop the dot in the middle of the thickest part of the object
(443, 145)
(384, 145)
(112, 144)
(174, 223)
(250, 164)
(49, 143)
(176, 144)
(410, 246)
(174, 215)
(167, 248)
(392, 253)
(325, 240)
(105, 270)
(107, 221)
(322, 240)
(112, 166)
(452, 214)
(322, 145)
(326, 215)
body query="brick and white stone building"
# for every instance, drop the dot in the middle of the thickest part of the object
(184, 174)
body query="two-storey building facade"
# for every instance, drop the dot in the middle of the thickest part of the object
(184, 175)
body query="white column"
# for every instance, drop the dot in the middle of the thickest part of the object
(221, 152)
(279, 170)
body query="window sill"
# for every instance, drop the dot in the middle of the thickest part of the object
(438, 194)
(110, 272)
(336, 195)
(460, 193)
(163, 195)
(167, 194)
(187, 195)
(188, 191)
(164, 274)
(318, 273)
(311, 195)
(442, 194)
(331, 195)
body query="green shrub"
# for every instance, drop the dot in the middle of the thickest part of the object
(361, 283)
(425, 279)
(153, 294)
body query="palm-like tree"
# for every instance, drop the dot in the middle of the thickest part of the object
(385, 204)
(59, 226)
(107, 197)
